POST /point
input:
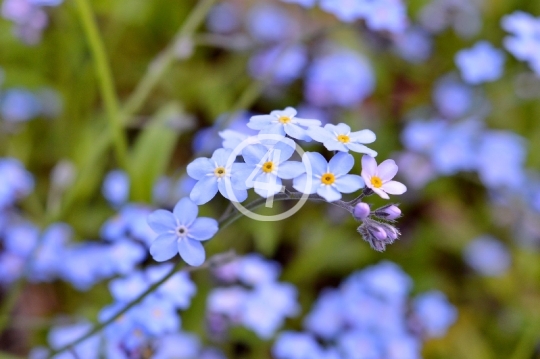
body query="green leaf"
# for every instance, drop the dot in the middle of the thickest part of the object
(154, 147)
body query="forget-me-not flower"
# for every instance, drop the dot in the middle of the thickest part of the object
(379, 178)
(181, 232)
(487, 256)
(265, 167)
(214, 174)
(340, 138)
(282, 123)
(481, 63)
(328, 179)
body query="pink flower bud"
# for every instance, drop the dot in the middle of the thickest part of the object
(361, 211)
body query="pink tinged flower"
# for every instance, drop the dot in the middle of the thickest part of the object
(379, 178)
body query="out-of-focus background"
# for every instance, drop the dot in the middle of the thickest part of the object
(104, 103)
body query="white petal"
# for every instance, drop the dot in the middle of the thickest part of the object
(369, 166)
(364, 136)
(387, 170)
(394, 187)
(329, 193)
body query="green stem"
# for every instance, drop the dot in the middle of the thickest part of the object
(164, 61)
(527, 342)
(105, 79)
(212, 262)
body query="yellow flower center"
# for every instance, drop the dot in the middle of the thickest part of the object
(268, 167)
(328, 178)
(284, 119)
(220, 172)
(376, 182)
(343, 138)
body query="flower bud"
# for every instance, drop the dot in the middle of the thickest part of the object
(389, 212)
(378, 232)
(361, 211)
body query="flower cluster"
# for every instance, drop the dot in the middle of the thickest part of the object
(265, 163)
(370, 314)
(253, 298)
(29, 17)
(524, 43)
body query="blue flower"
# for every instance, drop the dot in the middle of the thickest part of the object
(340, 138)
(284, 64)
(116, 187)
(342, 78)
(481, 63)
(524, 44)
(270, 23)
(265, 167)
(181, 232)
(214, 174)
(487, 256)
(304, 3)
(434, 312)
(283, 122)
(452, 97)
(328, 179)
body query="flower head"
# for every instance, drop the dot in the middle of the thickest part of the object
(213, 175)
(378, 178)
(340, 138)
(283, 122)
(181, 232)
(328, 179)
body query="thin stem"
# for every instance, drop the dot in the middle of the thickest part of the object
(366, 192)
(216, 260)
(105, 79)
(164, 60)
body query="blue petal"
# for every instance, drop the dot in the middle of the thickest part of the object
(191, 251)
(364, 136)
(253, 154)
(267, 185)
(300, 183)
(335, 145)
(356, 147)
(339, 129)
(329, 193)
(203, 229)
(307, 122)
(290, 169)
(314, 163)
(341, 164)
(240, 176)
(204, 190)
(295, 131)
(185, 211)
(236, 195)
(286, 148)
(320, 134)
(275, 129)
(164, 247)
(161, 221)
(349, 183)
(260, 122)
(199, 168)
(221, 156)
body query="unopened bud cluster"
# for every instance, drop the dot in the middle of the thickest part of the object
(377, 233)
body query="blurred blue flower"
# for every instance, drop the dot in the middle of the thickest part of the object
(340, 138)
(156, 316)
(15, 181)
(304, 3)
(270, 23)
(295, 345)
(481, 63)
(19, 105)
(487, 256)
(423, 136)
(48, 258)
(342, 78)
(463, 16)
(500, 159)
(128, 288)
(328, 179)
(29, 19)
(178, 345)
(326, 318)
(62, 335)
(255, 270)
(452, 98)
(215, 174)
(124, 255)
(360, 345)
(46, 2)
(115, 187)
(181, 232)
(385, 15)
(21, 239)
(434, 313)
(223, 18)
(282, 64)
(414, 45)
(178, 289)
(129, 222)
(525, 42)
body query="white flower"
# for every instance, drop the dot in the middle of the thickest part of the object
(282, 123)
(379, 178)
(340, 138)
